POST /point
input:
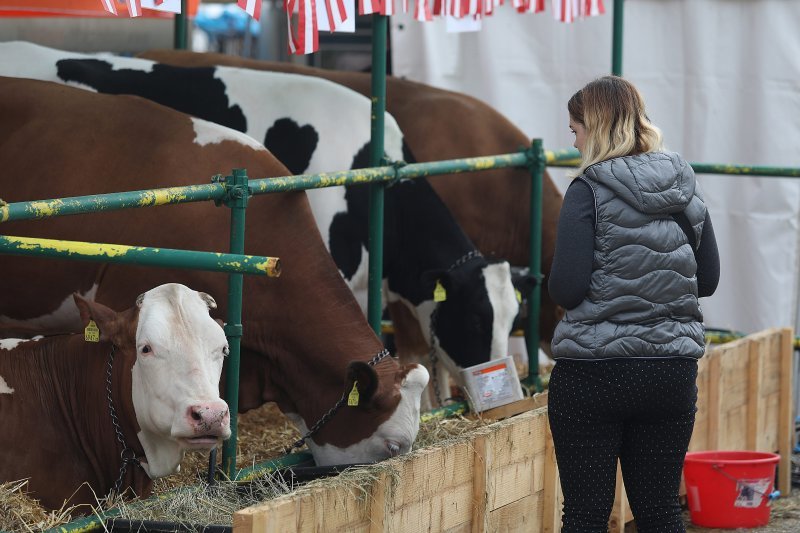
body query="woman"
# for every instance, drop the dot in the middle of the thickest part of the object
(635, 250)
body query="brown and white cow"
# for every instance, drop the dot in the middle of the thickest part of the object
(314, 125)
(301, 331)
(493, 207)
(161, 359)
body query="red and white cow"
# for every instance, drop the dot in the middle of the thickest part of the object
(161, 360)
(493, 207)
(301, 331)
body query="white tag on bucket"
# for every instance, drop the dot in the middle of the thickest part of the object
(750, 492)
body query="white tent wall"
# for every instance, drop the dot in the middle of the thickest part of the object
(720, 77)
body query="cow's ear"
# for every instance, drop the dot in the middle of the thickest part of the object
(104, 317)
(366, 383)
(210, 302)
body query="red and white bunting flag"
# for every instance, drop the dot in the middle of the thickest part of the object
(288, 6)
(134, 8)
(592, 8)
(306, 39)
(565, 10)
(109, 6)
(337, 13)
(388, 8)
(536, 6)
(422, 10)
(253, 7)
(368, 7)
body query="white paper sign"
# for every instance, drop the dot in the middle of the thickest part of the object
(464, 24)
(170, 6)
(348, 25)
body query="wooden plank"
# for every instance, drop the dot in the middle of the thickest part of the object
(378, 502)
(521, 516)
(712, 405)
(758, 347)
(700, 433)
(480, 497)
(429, 472)
(277, 516)
(507, 410)
(551, 503)
(620, 512)
(733, 396)
(786, 421)
(510, 483)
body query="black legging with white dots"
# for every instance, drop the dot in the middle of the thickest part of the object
(638, 410)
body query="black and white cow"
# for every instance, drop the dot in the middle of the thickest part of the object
(434, 277)
(313, 125)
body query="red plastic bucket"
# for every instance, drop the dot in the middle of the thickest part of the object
(729, 489)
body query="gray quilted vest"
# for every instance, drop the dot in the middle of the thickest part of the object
(642, 299)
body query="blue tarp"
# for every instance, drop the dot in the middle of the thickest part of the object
(225, 19)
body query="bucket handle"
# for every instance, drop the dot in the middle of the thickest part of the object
(774, 495)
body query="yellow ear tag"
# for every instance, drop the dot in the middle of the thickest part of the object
(439, 294)
(92, 332)
(519, 296)
(352, 398)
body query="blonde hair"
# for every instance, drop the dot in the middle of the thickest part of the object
(612, 111)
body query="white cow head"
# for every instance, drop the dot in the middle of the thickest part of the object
(179, 350)
(392, 437)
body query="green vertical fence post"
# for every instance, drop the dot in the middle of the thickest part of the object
(376, 193)
(616, 39)
(537, 164)
(179, 36)
(238, 192)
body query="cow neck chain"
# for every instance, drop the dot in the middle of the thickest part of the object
(127, 455)
(332, 411)
(464, 258)
(432, 355)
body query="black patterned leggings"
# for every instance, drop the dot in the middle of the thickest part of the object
(638, 410)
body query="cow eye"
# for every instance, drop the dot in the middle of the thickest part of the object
(146, 349)
(225, 351)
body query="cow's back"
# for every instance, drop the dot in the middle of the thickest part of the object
(57, 142)
(491, 206)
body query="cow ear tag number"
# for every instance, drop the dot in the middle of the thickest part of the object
(92, 332)
(439, 294)
(352, 398)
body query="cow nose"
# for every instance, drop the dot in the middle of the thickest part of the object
(208, 417)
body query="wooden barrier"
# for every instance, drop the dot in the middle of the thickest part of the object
(503, 477)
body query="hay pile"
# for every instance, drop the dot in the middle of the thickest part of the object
(187, 499)
(19, 512)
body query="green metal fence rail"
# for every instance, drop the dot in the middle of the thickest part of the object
(141, 255)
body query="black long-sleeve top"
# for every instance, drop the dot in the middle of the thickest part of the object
(572, 263)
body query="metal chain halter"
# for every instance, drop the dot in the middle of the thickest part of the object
(332, 411)
(127, 455)
(432, 355)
